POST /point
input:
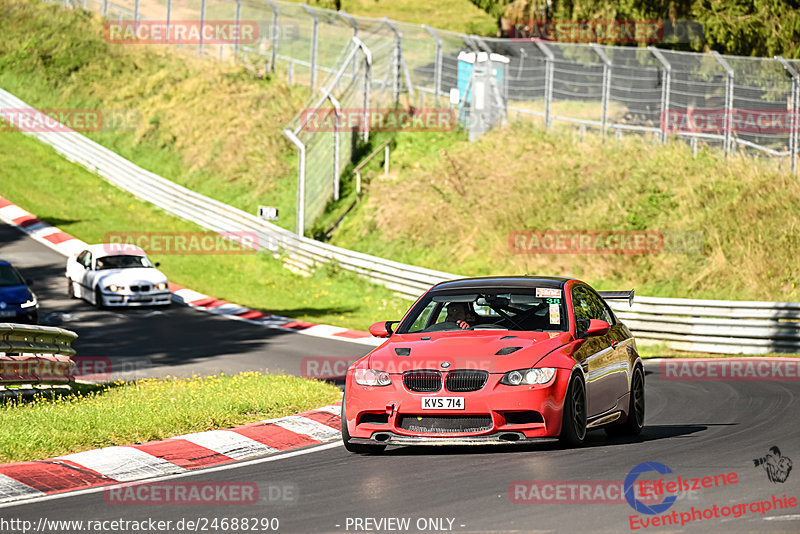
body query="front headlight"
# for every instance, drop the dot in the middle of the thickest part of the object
(30, 302)
(368, 377)
(161, 286)
(528, 377)
(113, 288)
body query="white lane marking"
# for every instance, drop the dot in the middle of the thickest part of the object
(123, 463)
(790, 517)
(229, 443)
(12, 490)
(309, 427)
(194, 472)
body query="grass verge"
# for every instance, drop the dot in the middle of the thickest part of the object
(90, 417)
(452, 205)
(84, 205)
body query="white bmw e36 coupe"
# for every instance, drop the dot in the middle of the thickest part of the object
(116, 275)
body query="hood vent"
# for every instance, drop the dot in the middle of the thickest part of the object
(508, 337)
(505, 351)
(402, 351)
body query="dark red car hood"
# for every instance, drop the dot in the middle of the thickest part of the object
(465, 350)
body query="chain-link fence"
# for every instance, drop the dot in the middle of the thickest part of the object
(733, 103)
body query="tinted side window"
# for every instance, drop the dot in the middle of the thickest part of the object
(587, 305)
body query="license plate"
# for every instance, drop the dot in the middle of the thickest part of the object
(8, 313)
(442, 403)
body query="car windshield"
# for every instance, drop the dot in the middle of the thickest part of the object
(534, 309)
(122, 262)
(10, 277)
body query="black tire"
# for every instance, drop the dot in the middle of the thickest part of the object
(358, 448)
(98, 299)
(635, 421)
(70, 288)
(573, 423)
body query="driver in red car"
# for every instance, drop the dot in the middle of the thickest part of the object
(459, 313)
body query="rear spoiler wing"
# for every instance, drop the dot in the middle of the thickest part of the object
(618, 295)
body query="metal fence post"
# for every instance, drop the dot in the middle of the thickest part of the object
(794, 132)
(728, 100)
(105, 8)
(606, 83)
(396, 60)
(274, 35)
(665, 87)
(337, 109)
(437, 69)
(352, 22)
(202, 22)
(548, 82)
(314, 39)
(169, 13)
(238, 29)
(367, 83)
(301, 179)
(136, 11)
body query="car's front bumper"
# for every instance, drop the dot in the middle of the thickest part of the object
(498, 438)
(497, 401)
(149, 298)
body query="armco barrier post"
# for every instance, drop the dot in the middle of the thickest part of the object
(794, 132)
(274, 35)
(105, 8)
(437, 69)
(548, 81)
(606, 83)
(136, 11)
(314, 39)
(666, 79)
(301, 179)
(728, 100)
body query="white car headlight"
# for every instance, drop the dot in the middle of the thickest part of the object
(29, 303)
(368, 377)
(161, 286)
(528, 377)
(114, 288)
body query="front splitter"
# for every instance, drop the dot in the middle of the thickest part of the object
(500, 438)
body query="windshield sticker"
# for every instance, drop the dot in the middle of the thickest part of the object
(555, 314)
(546, 292)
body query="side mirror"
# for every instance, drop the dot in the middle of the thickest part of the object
(382, 328)
(595, 327)
(157, 264)
(28, 282)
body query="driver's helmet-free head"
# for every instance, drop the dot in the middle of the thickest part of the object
(458, 311)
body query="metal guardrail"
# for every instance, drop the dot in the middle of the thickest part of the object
(32, 356)
(684, 324)
(719, 326)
